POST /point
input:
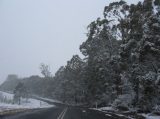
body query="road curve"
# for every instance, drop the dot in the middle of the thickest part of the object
(63, 113)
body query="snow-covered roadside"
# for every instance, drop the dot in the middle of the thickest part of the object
(149, 116)
(25, 104)
(104, 109)
(50, 100)
(126, 114)
(111, 112)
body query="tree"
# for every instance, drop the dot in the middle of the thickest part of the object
(20, 92)
(69, 84)
(10, 83)
(102, 53)
(45, 70)
(140, 51)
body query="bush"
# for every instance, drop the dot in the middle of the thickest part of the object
(123, 102)
(156, 110)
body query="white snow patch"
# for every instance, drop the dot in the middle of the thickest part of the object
(148, 116)
(155, 8)
(108, 115)
(83, 111)
(153, 117)
(6, 95)
(120, 115)
(114, 16)
(50, 100)
(25, 104)
(106, 108)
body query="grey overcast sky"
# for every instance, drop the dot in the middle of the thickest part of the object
(48, 31)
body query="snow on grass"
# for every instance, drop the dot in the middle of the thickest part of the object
(6, 103)
(6, 95)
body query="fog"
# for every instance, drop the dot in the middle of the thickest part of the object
(43, 31)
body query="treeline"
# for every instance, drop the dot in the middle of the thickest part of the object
(34, 85)
(122, 60)
(121, 67)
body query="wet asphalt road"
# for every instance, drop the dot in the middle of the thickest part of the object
(63, 113)
(59, 113)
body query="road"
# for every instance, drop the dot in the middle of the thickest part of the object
(63, 113)
(60, 113)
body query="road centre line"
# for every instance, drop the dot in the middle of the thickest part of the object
(62, 114)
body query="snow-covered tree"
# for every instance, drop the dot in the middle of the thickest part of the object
(20, 92)
(45, 70)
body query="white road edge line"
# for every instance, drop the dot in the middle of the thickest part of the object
(61, 116)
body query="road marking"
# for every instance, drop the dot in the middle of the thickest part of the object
(61, 116)
(64, 114)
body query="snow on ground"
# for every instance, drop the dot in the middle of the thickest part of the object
(153, 117)
(50, 100)
(110, 109)
(108, 115)
(104, 109)
(149, 116)
(27, 104)
(6, 95)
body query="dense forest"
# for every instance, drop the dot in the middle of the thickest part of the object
(121, 67)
